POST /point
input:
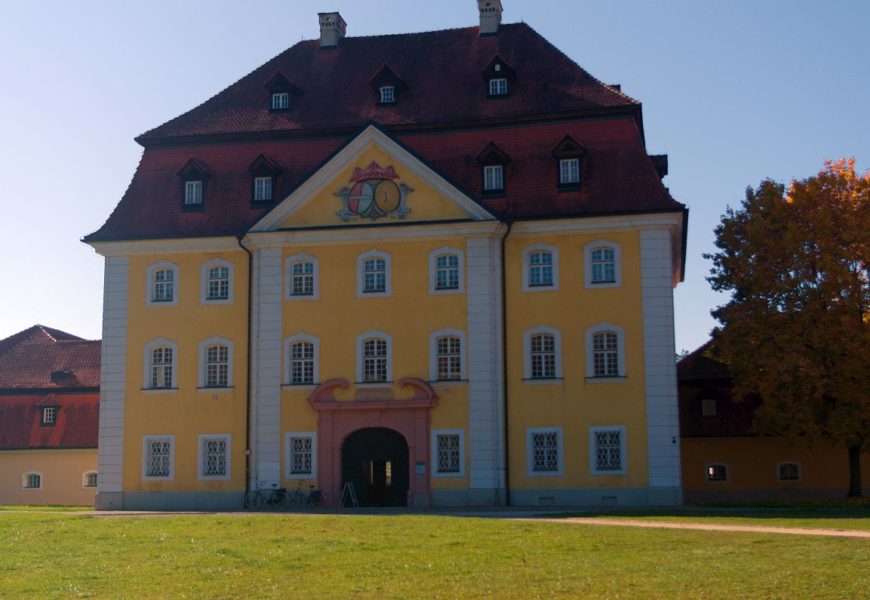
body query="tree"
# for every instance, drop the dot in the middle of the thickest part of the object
(796, 330)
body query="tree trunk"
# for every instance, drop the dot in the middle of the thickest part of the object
(854, 472)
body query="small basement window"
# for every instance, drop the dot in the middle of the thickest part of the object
(709, 407)
(717, 473)
(789, 472)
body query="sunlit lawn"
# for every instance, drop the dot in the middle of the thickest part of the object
(327, 556)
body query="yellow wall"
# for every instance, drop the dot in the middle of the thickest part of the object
(186, 412)
(574, 404)
(62, 472)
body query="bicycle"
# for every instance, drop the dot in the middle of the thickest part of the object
(277, 497)
(314, 498)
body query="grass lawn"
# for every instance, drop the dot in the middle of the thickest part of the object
(20, 507)
(327, 556)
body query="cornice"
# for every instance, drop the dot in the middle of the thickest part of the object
(166, 245)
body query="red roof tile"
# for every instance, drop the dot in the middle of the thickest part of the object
(76, 426)
(49, 359)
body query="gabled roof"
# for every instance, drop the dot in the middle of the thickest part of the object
(44, 358)
(442, 70)
(76, 425)
(702, 364)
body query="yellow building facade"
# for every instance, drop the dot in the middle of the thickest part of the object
(394, 317)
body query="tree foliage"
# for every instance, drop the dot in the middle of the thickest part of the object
(796, 330)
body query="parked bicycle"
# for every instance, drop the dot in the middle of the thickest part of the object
(272, 499)
(300, 499)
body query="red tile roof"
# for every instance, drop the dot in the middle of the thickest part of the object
(76, 426)
(49, 359)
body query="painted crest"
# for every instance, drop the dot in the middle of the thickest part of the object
(373, 194)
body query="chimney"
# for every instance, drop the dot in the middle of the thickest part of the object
(332, 28)
(490, 16)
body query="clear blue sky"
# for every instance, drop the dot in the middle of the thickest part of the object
(734, 92)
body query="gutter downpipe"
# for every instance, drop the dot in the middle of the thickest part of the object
(248, 395)
(504, 366)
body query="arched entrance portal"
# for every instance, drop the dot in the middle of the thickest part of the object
(375, 459)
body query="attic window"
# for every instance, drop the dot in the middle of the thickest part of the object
(493, 178)
(498, 86)
(499, 77)
(193, 192)
(264, 179)
(387, 85)
(282, 92)
(388, 94)
(262, 189)
(493, 161)
(49, 415)
(569, 157)
(281, 101)
(194, 176)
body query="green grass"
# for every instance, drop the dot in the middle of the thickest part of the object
(51, 508)
(327, 556)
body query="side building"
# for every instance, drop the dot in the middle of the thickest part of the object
(437, 266)
(49, 414)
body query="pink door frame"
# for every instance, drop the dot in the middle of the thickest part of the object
(336, 419)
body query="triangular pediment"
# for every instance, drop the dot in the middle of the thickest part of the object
(372, 179)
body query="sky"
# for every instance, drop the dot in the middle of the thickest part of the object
(734, 92)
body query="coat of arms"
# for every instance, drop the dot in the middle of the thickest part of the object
(373, 194)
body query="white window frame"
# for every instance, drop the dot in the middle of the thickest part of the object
(288, 358)
(24, 477)
(587, 264)
(280, 100)
(146, 377)
(85, 476)
(433, 270)
(360, 359)
(387, 94)
(527, 355)
(433, 355)
(493, 169)
(530, 453)
(498, 86)
(620, 353)
(261, 196)
(200, 456)
(727, 468)
(53, 413)
(565, 169)
(203, 363)
(360, 274)
(151, 271)
(288, 459)
(623, 450)
(301, 257)
(189, 195)
(434, 470)
(785, 463)
(204, 281)
(158, 438)
(527, 257)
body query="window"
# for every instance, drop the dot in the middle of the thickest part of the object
(192, 193)
(788, 472)
(493, 178)
(31, 481)
(716, 473)
(89, 479)
(607, 450)
(161, 288)
(540, 268)
(302, 277)
(373, 274)
(301, 360)
(374, 362)
(158, 457)
(49, 415)
(216, 363)
(262, 189)
(216, 285)
(498, 86)
(280, 101)
(448, 453)
(449, 358)
(605, 353)
(446, 271)
(300, 457)
(161, 359)
(544, 451)
(214, 456)
(569, 171)
(543, 354)
(709, 407)
(387, 94)
(602, 265)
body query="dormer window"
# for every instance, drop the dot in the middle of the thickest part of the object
(387, 85)
(493, 178)
(499, 77)
(281, 92)
(570, 157)
(280, 101)
(264, 179)
(49, 415)
(194, 176)
(388, 94)
(498, 86)
(569, 171)
(193, 193)
(493, 161)
(262, 189)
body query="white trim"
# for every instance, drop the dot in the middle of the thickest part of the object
(433, 257)
(288, 343)
(24, 477)
(209, 245)
(85, 475)
(527, 252)
(433, 354)
(146, 373)
(527, 354)
(434, 441)
(203, 281)
(623, 450)
(156, 438)
(360, 369)
(288, 276)
(587, 264)
(360, 274)
(665, 221)
(727, 468)
(800, 471)
(227, 438)
(342, 160)
(149, 284)
(530, 455)
(620, 352)
(288, 436)
(203, 375)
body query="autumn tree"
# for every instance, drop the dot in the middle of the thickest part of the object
(796, 330)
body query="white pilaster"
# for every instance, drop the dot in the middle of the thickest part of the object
(112, 380)
(485, 381)
(266, 368)
(663, 431)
